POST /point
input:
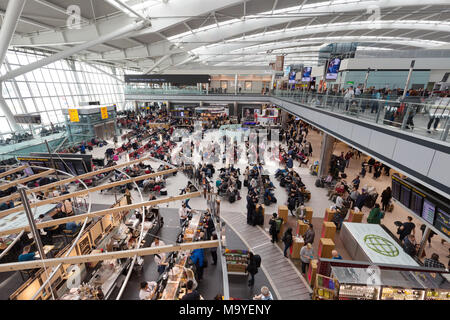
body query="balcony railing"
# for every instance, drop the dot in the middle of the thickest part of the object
(427, 118)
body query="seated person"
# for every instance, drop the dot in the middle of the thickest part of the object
(72, 226)
(27, 255)
(191, 293)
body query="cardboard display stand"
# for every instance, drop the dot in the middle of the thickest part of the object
(296, 247)
(325, 247)
(312, 271)
(329, 214)
(309, 213)
(355, 216)
(328, 230)
(283, 213)
(301, 227)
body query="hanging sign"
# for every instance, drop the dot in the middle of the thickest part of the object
(104, 112)
(73, 115)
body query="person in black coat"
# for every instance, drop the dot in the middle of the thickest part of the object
(252, 268)
(251, 208)
(287, 240)
(273, 228)
(386, 196)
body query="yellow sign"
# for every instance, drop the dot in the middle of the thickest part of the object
(104, 111)
(73, 115)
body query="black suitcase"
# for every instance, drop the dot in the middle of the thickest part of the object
(239, 184)
(232, 198)
(163, 192)
(245, 183)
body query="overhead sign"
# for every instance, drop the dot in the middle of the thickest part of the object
(279, 63)
(186, 79)
(104, 112)
(73, 115)
(33, 118)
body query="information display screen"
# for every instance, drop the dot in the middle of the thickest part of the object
(416, 203)
(428, 211)
(405, 196)
(443, 221)
(395, 189)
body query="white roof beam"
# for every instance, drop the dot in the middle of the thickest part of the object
(69, 52)
(58, 8)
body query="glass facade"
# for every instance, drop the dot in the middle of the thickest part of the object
(57, 86)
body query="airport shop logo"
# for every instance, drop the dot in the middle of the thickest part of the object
(381, 245)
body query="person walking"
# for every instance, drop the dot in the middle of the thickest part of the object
(386, 196)
(273, 230)
(254, 262)
(406, 228)
(287, 240)
(375, 215)
(197, 257)
(309, 234)
(306, 255)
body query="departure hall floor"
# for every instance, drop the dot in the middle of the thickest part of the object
(319, 200)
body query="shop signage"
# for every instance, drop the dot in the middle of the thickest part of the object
(73, 115)
(104, 112)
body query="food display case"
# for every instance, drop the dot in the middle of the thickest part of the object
(359, 284)
(237, 261)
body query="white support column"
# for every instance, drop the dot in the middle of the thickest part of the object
(235, 83)
(12, 15)
(69, 52)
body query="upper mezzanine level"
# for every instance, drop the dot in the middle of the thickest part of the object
(397, 133)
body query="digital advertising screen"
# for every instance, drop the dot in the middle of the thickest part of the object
(333, 69)
(292, 75)
(443, 221)
(306, 74)
(428, 211)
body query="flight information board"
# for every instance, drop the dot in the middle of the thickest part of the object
(405, 196)
(416, 202)
(443, 221)
(428, 212)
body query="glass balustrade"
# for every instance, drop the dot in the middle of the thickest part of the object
(430, 118)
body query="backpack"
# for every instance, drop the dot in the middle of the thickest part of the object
(257, 259)
(279, 222)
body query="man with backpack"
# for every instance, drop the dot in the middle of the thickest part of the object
(254, 263)
(275, 227)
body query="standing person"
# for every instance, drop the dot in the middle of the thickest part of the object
(375, 215)
(191, 293)
(214, 250)
(309, 234)
(356, 182)
(197, 256)
(431, 234)
(265, 294)
(147, 289)
(348, 156)
(406, 228)
(273, 228)
(287, 240)
(254, 263)
(386, 196)
(359, 203)
(183, 211)
(306, 255)
(410, 245)
(160, 257)
(251, 208)
(434, 262)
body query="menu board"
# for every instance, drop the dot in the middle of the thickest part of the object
(405, 196)
(428, 211)
(443, 221)
(416, 203)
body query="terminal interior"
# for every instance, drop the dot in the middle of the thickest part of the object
(227, 150)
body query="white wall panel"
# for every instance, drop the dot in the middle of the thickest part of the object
(440, 168)
(382, 143)
(361, 135)
(413, 156)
